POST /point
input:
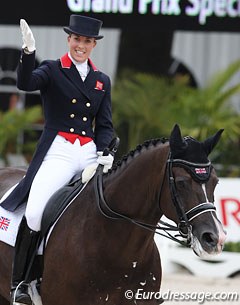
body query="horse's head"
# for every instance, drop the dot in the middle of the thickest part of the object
(192, 180)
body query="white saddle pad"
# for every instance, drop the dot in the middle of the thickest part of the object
(9, 222)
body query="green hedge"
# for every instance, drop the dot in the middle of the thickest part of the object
(232, 247)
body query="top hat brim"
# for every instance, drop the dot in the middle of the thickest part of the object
(68, 30)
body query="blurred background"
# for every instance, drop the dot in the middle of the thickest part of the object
(169, 62)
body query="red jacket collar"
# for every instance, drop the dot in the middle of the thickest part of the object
(92, 65)
(66, 62)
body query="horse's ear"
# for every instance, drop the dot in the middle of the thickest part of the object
(177, 144)
(211, 142)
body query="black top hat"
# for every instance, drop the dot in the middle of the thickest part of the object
(84, 26)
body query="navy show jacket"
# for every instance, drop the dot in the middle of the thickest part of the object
(69, 105)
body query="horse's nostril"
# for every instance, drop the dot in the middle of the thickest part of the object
(210, 239)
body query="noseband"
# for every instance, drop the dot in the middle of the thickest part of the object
(200, 172)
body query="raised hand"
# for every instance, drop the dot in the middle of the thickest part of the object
(27, 36)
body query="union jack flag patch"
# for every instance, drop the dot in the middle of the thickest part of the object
(4, 223)
(200, 170)
(99, 85)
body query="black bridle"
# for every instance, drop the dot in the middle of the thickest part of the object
(202, 174)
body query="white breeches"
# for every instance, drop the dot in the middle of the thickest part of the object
(62, 161)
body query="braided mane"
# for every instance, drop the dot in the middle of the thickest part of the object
(139, 148)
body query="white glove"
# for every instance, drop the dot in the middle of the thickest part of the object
(106, 161)
(27, 36)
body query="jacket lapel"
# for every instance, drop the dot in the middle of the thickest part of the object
(71, 73)
(92, 76)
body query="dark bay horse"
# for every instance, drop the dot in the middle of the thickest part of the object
(101, 248)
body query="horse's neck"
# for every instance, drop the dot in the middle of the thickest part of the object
(134, 189)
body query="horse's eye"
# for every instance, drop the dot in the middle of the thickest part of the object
(182, 181)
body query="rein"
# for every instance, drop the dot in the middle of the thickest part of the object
(184, 227)
(104, 208)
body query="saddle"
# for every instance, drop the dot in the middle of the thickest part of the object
(58, 202)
